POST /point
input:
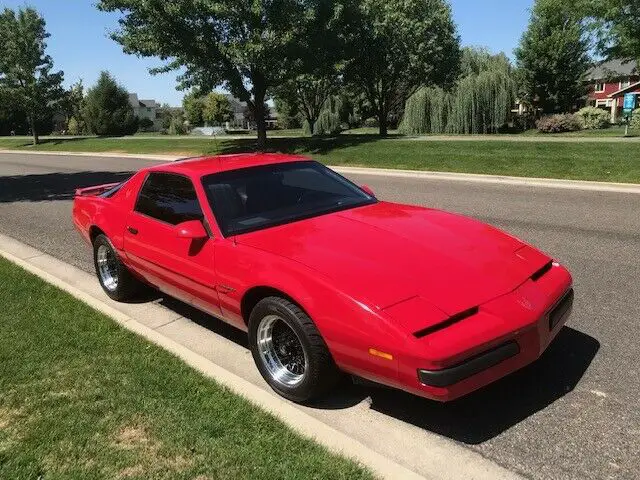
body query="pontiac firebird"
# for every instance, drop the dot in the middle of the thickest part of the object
(324, 277)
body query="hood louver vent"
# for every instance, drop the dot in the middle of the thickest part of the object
(542, 271)
(447, 323)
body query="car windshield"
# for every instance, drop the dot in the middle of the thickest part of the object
(260, 197)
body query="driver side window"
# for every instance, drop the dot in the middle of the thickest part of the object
(169, 198)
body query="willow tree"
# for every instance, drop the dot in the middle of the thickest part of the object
(480, 102)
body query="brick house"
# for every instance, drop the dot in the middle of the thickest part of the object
(609, 82)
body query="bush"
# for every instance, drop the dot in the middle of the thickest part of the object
(563, 122)
(371, 122)
(635, 120)
(177, 126)
(74, 127)
(593, 118)
(146, 124)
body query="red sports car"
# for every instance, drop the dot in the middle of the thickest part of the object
(324, 277)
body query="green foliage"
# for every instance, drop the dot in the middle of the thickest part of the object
(216, 108)
(593, 118)
(480, 102)
(107, 110)
(398, 47)
(558, 123)
(635, 119)
(289, 116)
(145, 124)
(246, 47)
(553, 56)
(74, 127)
(193, 105)
(318, 69)
(329, 119)
(618, 27)
(176, 126)
(26, 76)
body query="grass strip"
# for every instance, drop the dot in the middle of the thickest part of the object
(81, 397)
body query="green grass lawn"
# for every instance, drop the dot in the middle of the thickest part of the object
(81, 397)
(602, 161)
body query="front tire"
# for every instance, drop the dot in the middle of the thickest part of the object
(116, 281)
(289, 351)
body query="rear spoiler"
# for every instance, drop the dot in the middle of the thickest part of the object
(94, 191)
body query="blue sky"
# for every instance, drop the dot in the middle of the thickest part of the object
(80, 46)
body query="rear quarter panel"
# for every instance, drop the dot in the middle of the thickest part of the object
(108, 214)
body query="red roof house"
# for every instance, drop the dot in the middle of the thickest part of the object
(609, 82)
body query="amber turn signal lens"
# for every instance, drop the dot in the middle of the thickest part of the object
(378, 353)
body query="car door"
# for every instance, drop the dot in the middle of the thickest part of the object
(181, 267)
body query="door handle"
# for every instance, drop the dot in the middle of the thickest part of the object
(132, 231)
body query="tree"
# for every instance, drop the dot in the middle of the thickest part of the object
(25, 69)
(107, 110)
(398, 47)
(247, 47)
(323, 48)
(72, 104)
(618, 26)
(216, 108)
(553, 56)
(193, 106)
(481, 101)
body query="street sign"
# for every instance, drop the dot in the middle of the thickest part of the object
(629, 102)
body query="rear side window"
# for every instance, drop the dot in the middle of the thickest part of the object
(169, 198)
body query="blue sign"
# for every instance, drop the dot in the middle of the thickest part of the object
(629, 102)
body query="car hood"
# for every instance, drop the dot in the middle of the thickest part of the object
(385, 253)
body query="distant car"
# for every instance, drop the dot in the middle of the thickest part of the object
(324, 277)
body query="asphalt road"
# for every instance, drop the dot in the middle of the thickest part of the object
(574, 414)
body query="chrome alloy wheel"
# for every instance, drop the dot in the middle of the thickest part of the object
(281, 351)
(107, 267)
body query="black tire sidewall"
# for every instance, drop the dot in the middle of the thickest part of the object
(120, 292)
(305, 389)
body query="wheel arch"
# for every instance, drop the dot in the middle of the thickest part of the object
(254, 294)
(94, 231)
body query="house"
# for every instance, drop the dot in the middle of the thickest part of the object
(146, 109)
(241, 119)
(609, 82)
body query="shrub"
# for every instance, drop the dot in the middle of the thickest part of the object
(74, 127)
(563, 122)
(145, 124)
(177, 126)
(371, 122)
(635, 119)
(593, 118)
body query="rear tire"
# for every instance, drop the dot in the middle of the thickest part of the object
(116, 281)
(289, 351)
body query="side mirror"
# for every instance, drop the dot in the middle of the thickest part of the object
(192, 229)
(368, 190)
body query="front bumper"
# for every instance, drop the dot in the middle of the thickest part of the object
(507, 334)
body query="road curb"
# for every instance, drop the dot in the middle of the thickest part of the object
(69, 279)
(583, 185)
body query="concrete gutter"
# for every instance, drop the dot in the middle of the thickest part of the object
(446, 463)
(414, 174)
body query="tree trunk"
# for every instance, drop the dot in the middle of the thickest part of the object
(312, 125)
(260, 114)
(382, 122)
(32, 123)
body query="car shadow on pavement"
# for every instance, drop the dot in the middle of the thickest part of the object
(53, 186)
(490, 411)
